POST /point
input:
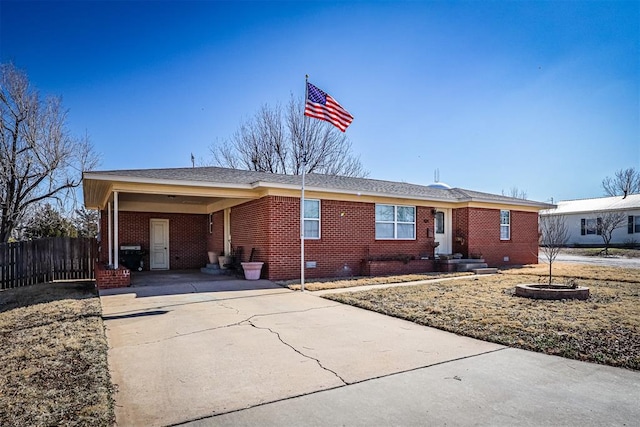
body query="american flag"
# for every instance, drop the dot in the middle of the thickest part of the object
(321, 106)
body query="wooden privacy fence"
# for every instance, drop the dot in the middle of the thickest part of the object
(45, 260)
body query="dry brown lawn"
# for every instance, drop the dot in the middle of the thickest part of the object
(603, 329)
(53, 363)
(323, 284)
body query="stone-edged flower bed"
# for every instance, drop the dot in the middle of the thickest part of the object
(552, 292)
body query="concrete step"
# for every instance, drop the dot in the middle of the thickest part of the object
(470, 266)
(213, 270)
(485, 270)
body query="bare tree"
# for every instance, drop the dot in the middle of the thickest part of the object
(607, 223)
(554, 235)
(623, 183)
(272, 141)
(515, 192)
(39, 160)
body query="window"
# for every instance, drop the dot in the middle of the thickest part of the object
(590, 226)
(439, 223)
(311, 219)
(634, 224)
(505, 225)
(395, 222)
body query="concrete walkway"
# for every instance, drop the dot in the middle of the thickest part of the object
(199, 352)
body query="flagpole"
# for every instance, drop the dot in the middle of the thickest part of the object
(304, 167)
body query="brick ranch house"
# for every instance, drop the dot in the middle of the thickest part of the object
(178, 215)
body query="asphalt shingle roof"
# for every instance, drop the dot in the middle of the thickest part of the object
(218, 175)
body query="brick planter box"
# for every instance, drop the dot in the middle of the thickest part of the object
(386, 268)
(107, 279)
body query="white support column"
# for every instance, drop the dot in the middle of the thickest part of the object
(227, 231)
(110, 233)
(116, 248)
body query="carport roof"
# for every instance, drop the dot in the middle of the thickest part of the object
(217, 177)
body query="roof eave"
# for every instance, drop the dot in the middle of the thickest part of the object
(161, 181)
(265, 184)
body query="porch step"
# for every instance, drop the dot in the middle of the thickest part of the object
(213, 269)
(485, 270)
(470, 266)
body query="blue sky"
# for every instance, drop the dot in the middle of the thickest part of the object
(544, 96)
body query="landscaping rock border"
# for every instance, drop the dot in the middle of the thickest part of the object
(552, 292)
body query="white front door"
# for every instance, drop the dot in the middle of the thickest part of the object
(159, 251)
(442, 225)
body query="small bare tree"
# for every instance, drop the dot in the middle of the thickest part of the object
(554, 235)
(272, 141)
(607, 223)
(39, 160)
(515, 192)
(623, 183)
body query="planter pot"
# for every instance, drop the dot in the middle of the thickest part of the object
(252, 270)
(213, 257)
(224, 261)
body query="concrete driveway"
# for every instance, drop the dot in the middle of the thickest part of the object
(236, 352)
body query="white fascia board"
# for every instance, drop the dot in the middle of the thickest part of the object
(516, 202)
(178, 182)
(527, 203)
(350, 192)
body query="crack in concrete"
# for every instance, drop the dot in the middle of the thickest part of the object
(238, 323)
(168, 307)
(265, 403)
(277, 334)
(229, 307)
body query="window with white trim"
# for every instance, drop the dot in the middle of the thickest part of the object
(505, 225)
(395, 222)
(439, 222)
(590, 226)
(634, 224)
(311, 219)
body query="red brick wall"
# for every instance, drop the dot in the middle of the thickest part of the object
(271, 225)
(381, 268)
(347, 236)
(481, 228)
(460, 229)
(249, 224)
(215, 239)
(107, 279)
(187, 237)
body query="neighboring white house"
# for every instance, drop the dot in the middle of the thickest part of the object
(582, 219)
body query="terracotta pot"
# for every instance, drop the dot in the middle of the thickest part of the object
(252, 270)
(213, 257)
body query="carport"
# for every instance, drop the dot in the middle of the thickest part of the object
(136, 208)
